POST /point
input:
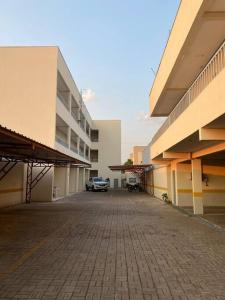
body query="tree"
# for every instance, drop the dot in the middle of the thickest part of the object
(129, 162)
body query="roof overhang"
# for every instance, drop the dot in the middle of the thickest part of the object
(17, 147)
(205, 36)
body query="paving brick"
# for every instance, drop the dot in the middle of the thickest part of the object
(114, 246)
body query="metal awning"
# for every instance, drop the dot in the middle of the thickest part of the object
(18, 148)
(131, 168)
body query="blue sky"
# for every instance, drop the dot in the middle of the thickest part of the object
(110, 47)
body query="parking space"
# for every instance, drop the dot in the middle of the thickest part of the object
(114, 245)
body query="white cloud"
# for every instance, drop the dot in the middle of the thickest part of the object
(143, 116)
(88, 95)
(155, 122)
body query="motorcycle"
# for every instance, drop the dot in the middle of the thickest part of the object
(133, 187)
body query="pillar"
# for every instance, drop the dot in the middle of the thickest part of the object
(197, 186)
(173, 187)
(77, 180)
(67, 180)
(84, 178)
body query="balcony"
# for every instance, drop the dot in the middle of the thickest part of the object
(63, 91)
(87, 152)
(62, 130)
(81, 148)
(209, 73)
(188, 49)
(82, 121)
(87, 129)
(74, 141)
(75, 109)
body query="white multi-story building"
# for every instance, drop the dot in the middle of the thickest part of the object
(40, 101)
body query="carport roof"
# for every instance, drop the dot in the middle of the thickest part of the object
(129, 167)
(17, 147)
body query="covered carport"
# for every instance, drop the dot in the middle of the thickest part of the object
(141, 171)
(39, 159)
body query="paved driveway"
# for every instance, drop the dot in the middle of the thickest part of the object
(114, 245)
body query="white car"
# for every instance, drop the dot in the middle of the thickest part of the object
(96, 184)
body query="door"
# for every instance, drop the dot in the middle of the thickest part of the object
(116, 183)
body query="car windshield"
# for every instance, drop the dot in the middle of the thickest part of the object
(132, 180)
(97, 179)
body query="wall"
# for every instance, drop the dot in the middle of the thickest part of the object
(72, 181)
(160, 179)
(11, 186)
(183, 185)
(149, 183)
(146, 155)
(43, 191)
(109, 147)
(214, 193)
(81, 179)
(28, 91)
(138, 154)
(60, 177)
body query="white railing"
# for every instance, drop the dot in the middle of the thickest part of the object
(212, 69)
(60, 141)
(64, 101)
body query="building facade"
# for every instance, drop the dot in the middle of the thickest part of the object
(137, 155)
(188, 151)
(40, 100)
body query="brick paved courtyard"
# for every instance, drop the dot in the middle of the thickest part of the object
(114, 245)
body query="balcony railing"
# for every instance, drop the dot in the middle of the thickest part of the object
(60, 141)
(63, 100)
(212, 69)
(74, 149)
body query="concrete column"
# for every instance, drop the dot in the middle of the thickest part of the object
(197, 186)
(84, 178)
(72, 187)
(67, 180)
(77, 180)
(173, 188)
(87, 174)
(81, 179)
(168, 170)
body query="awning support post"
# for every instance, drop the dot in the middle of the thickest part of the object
(29, 182)
(32, 182)
(8, 166)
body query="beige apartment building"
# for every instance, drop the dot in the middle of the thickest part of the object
(137, 155)
(42, 106)
(188, 151)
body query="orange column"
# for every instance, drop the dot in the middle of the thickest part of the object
(197, 186)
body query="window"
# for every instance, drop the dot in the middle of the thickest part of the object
(94, 135)
(93, 173)
(94, 155)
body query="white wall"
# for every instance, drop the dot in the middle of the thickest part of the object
(43, 191)
(60, 177)
(109, 148)
(146, 155)
(160, 181)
